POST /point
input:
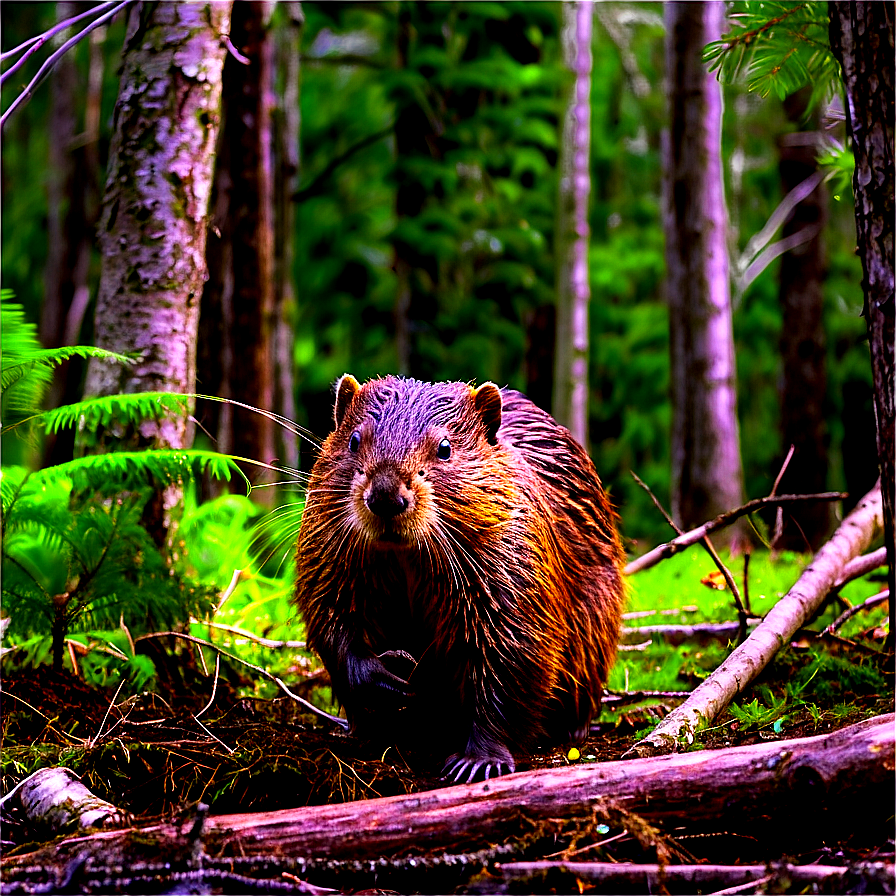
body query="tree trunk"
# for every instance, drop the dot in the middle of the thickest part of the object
(72, 207)
(802, 342)
(155, 207)
(862, 39)
(707, 477)
(287, 127)
(570, 405)
(238, 302)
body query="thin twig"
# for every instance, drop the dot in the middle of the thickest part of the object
(257, 639)
(707, 544)
(36, 42)
(661, 552)
(263, 672)
(47, 67)
(858, 608)
(208, 705)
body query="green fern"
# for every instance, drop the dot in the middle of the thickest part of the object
(76, 555)
(782, 46)
(25, 367)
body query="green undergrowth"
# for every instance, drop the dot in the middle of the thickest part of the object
(812, 685)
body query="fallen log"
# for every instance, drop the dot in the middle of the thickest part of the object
(617, 878)
(678, 730)
(841, 781)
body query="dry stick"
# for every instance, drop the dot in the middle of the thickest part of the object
(652, 878)
(707, 544)
(342, 723)
(745, 662)
(661, 552)
(865, 605)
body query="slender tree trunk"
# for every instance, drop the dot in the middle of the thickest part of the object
(707, 476)
(287, 125)
(155, 208)
(238, 303)
(862, 38)
(570, 405)
(802, 274)
(72, 209)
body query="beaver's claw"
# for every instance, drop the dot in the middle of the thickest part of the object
(462, 769)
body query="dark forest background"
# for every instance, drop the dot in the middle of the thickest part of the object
(413, 195)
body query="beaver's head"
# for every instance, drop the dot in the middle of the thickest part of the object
(416, 462)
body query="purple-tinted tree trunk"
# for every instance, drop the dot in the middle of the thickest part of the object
(155, 208)
(707, 476)
(862, 38)
(570, 404)
(238, 303)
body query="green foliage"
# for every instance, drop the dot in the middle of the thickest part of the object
(76, 553)
(784, 47)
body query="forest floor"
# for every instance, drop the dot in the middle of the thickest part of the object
(157, 760)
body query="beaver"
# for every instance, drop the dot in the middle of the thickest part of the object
(464, 528)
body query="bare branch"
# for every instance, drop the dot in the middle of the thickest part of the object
(661, 552)
(47, 67)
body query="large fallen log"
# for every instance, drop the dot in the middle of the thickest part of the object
(678, 730)
(842, 780)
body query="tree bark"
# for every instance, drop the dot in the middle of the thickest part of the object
(862, 37)
(287, 159)
(707, 477)
(155, 208)
(570, 404)
(72, 208)
(238, 302)
(835, 783)
(802, 341)
(679, 729)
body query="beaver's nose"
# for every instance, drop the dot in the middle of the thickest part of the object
(386, 496)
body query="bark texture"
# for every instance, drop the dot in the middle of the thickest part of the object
(678, 730)
(862, 38)
(238, 301)
(707, 477)
(152, 231)
(570, 405)
(802, 273)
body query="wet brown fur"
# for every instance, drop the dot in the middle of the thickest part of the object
(502, 577)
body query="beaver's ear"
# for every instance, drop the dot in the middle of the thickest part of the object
(487, 401)
(346, 389)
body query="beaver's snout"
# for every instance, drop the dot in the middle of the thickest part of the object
(387, 496)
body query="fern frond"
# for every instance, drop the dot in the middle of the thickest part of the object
(41, 361)
(123, 410)
(131, 469)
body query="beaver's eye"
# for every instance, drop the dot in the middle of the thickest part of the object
(354, 443)
(444, 450)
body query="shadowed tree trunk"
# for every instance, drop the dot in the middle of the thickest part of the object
(707, 477)
(862, 39)
(238, 312)
(155, 208)
(802, 274)
(72, 207)
(570, 404)
(286, 127)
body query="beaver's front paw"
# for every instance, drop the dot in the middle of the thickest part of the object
(478, 764)
(372, 685)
